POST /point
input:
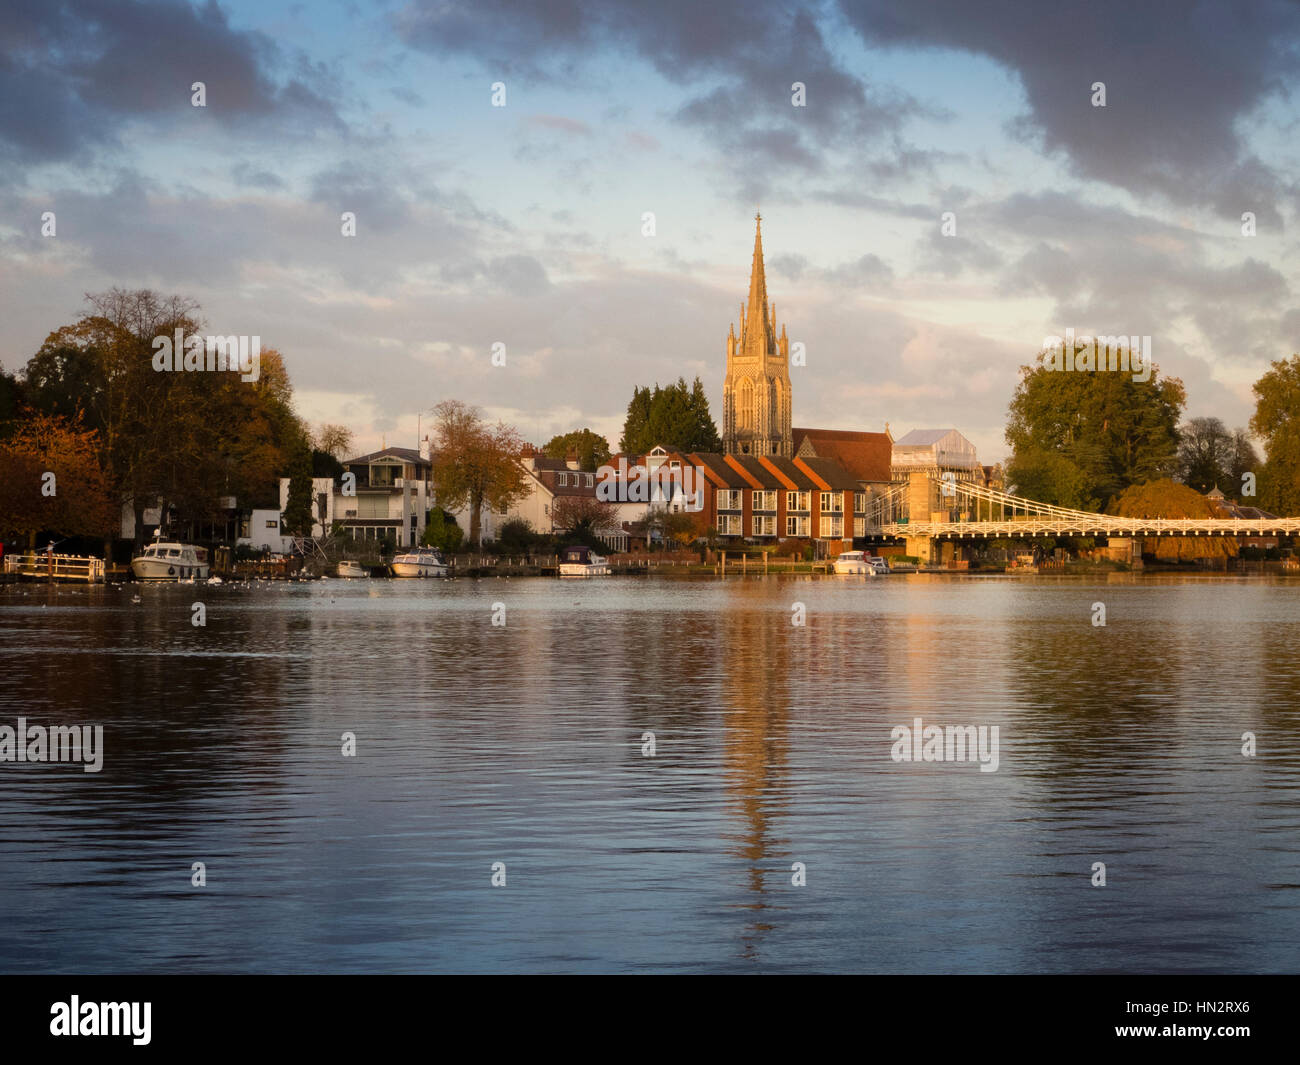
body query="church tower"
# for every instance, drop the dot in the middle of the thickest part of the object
(756, 391)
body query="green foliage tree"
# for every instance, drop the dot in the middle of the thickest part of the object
(1081, 438)
(442, 531)
(592, 448)
(1276, 422)
(675, 416)
(297, 519)
(516, 537)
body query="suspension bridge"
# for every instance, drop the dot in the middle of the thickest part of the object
(925, 510)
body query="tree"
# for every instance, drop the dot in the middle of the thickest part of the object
(1205, 454)
(1168, 499)
(442, 531)
(334, 440)
(676, 417)
(1276, 422)
(475, 463)
(583, 517)
(1244, 460)
(297, 519)
(50, 479)
(592, 448)
(11, 398)
(516, 537)
(1091, 435)
(634, 425)
(183, 439)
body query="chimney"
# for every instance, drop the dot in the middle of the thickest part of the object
(571, 460)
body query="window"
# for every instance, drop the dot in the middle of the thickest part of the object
(859, 502)
(730, 499)
(832, 502)
(381, 476)
(272, 523)
(729, 524)
(591, 480)
(562, 480)
(764, 501)
(832, 526)
(796, 500)
(765, 524)
(859, 526)
(796, 526)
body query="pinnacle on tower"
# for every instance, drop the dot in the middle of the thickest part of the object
(756, 325)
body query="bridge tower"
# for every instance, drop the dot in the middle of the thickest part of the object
(922, 501)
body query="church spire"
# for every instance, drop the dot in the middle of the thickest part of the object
(756, 325)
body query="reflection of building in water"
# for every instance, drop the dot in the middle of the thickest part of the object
(756, 655)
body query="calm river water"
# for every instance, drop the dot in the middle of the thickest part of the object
(522, 743)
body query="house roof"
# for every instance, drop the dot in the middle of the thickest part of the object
(762, 476)
(406, 454)
(836, 476)
(790, 471)
(865, 455)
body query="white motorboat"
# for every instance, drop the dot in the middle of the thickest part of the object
(878, 564)
(853, 562)
(422, 562)
(168, 560)
(582, 562)
(351, 568)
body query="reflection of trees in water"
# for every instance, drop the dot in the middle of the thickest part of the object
(186, 713)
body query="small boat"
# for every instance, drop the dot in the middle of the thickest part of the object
(422, 562)
(582, 562)
(853, 562)
(168, 560)
(351, 568)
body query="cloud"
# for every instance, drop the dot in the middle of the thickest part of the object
(1180, 77)
(74, 74)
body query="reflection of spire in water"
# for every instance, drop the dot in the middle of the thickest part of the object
(755, 657)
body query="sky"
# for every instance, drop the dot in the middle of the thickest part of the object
(524, 224)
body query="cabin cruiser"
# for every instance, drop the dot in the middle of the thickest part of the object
(422, 562)
(582, 562)
(167, 560)
(853, 562)
(878, 564)
(351, 568)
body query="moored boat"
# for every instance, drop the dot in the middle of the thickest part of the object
(169, 560)
(351, 568)
(853, 562)
(422, 562)
(582, 562)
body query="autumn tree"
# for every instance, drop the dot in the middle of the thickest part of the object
(475, 463)
(577, 514)
(1168, 499)
(1277, 423)
(50, 479)
(183, 440)
(1079, 439)
(592, 448)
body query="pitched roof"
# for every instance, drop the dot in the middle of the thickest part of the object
(406, 454)
(833, 474)
(865, 455)
(922, 437)
(790, 471)
(762, 476)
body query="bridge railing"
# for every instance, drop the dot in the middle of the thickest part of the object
(60, 567)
